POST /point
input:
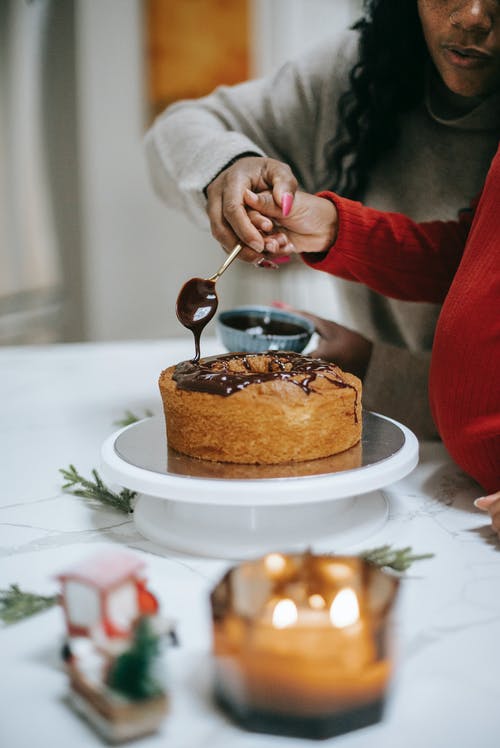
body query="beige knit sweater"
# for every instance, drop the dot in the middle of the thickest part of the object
(434, 171)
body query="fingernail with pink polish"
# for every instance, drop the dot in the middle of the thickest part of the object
(266, 264)
(282, 259)
(286, 203)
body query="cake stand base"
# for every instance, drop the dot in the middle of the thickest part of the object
(239, 532)
(241, 511)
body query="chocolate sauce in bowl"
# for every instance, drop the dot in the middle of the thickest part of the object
(196, 305)
(216, 376)
(262, 324)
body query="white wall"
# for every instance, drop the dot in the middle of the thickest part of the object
(285, 28)
(137, 252)
(30, 269)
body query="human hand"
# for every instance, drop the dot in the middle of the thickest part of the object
(348, 349)
(311, 225)
(229, 220)
(491, 504)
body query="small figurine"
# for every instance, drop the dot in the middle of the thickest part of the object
(102, 596)
(113, 646)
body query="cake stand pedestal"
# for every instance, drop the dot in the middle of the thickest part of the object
(240, 511)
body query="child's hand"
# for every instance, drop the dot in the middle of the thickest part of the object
(491, 504)
(308, 225)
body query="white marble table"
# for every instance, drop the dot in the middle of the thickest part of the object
(58, 404)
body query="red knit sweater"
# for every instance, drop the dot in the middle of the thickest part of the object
(457, 263)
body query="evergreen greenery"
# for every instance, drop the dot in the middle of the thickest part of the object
(133, 672)
(96, 491)
(15, 604)
(129, 418)
(397, 559)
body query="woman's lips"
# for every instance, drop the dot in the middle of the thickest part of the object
(466, 57)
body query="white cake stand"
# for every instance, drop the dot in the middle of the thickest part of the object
(233, 512)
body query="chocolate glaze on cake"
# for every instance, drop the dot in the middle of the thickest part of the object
(215, 375)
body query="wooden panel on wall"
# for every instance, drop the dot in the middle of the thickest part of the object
(194, 45)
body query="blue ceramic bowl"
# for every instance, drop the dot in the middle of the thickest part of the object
(254, 329)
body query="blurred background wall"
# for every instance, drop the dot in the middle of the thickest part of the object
(87, 251)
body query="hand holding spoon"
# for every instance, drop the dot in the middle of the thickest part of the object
(197, 301)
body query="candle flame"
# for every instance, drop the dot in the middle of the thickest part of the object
(284, 614)
(344, 610)
(275, 563)
(317, 601)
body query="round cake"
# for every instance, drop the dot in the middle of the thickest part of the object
(264, 408)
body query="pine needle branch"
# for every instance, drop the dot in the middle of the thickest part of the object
(15, 604)
(129, 418)
(398, 559)
(96, 491)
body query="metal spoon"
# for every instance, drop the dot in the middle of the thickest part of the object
(232, 256)
(197, 301)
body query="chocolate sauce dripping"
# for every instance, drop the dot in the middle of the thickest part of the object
(196, 305)
(200, 376)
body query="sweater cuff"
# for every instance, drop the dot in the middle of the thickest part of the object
(348, 213)
(232, 161)
(181, 183)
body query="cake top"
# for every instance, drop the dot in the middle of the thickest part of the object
(227, 374)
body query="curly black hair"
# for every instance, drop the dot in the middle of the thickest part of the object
(388, 79)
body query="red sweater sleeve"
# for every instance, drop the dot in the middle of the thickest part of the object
(460, 263)
(392, 254)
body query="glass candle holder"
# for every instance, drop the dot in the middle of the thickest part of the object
(302, 643)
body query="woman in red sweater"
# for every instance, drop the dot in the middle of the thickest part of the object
(457, 263)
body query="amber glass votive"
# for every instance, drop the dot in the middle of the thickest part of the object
(302, 643)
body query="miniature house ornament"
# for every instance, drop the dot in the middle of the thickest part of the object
(114, 677)
(103, 595)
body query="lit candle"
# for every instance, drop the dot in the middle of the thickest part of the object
(300, 643)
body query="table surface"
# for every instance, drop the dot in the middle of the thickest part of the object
(59, 403)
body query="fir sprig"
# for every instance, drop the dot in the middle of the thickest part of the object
(15, 604)
(129, 418)
(134, 672)
(397, 559)
(96, 491)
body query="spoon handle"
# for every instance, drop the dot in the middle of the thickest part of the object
(227, 262)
